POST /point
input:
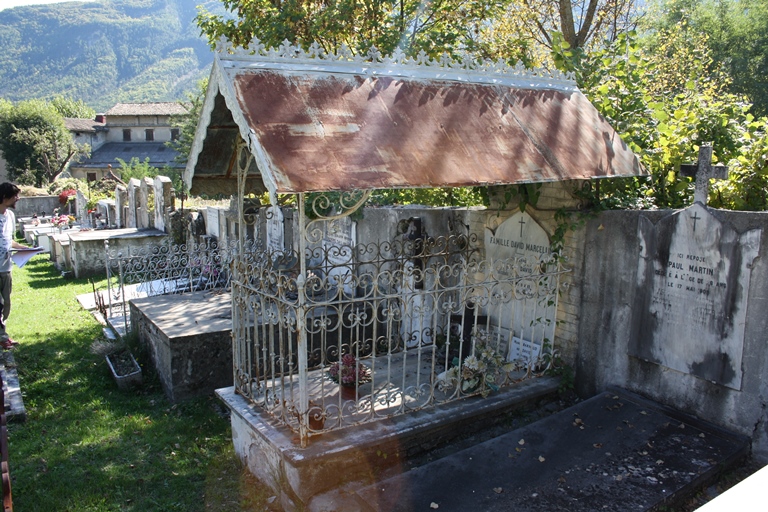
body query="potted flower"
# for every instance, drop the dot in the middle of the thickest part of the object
(485, 369)
(349, 373)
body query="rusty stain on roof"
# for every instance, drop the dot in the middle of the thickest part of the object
(323, 131)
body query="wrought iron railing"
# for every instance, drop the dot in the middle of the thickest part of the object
(418, 322)
(142, 271)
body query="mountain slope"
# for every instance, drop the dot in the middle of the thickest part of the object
(103, 52)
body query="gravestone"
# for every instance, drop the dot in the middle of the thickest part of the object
(275, 230)
(212, 221)
(121, 208)
(163, 199)
(417, 304)
(146, 198)
(81, 209)
(133, 203)
(694, 271)
(524, 317)
(339, 240)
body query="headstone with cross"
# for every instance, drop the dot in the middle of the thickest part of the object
(702, 172)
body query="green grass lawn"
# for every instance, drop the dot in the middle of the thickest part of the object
(86, 445)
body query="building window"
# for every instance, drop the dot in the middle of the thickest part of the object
(127, 135)
(149, 134)
(175, 134)
(91, 176)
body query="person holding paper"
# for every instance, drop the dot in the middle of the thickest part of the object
(9, 194)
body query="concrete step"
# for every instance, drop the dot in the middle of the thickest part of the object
(616, 451)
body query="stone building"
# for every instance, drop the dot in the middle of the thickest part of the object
(124, 132)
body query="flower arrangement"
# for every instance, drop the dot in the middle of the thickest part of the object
(349, 372)
(60, 220)
(485, 369)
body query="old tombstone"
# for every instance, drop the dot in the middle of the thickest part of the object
(121, 202)
(146, 203)
(133, 203)
(417, 301)
(338, 248)
(212, 220)
(694, 271)
(81, 209)
(275, 230)
(163, 200)
(524, 315)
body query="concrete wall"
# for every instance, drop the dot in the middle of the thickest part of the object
(87, 247)
(26, 206)
(609, 320)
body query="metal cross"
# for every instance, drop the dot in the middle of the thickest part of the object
(521, 226)
(702, 172)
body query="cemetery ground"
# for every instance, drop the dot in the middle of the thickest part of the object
(88, 446)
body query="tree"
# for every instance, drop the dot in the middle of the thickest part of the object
(434, 27)
(35, 143)
(67, 107)
(187, 123)
(665, 104)
(736, 34)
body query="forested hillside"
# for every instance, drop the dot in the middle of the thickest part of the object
(103, 51)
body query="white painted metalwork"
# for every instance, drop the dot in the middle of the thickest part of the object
(418, 321)
(143, 271)
(464, 67)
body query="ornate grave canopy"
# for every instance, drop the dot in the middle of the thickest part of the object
(320, 122)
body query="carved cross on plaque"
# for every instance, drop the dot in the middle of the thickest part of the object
(702, 172)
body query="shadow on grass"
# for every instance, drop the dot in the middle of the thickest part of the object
(42, 275)
(89, 446)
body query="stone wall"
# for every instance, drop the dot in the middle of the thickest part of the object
(627, 331)
(30, 205)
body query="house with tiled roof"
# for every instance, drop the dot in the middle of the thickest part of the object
(124, 132)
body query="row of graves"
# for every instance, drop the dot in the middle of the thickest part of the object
(75, 236)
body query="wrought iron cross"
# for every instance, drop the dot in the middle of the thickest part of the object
(702, 172)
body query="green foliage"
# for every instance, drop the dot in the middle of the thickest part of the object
(187, 123)
(736, 34)
(461, 196)
(58, 186)
(67, 107)
(664, 104)
(137, 169)
(35, 143)
(434, 27)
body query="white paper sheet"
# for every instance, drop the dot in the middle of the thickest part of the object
(21, 256)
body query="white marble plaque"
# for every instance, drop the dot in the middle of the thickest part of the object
(520, 242)
(212, 221)
(523, 350)
(338, 247)
(275, 230)
(695, 271)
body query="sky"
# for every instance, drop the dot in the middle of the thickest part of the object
(5, 4)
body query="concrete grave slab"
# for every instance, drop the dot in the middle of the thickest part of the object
(615, 451)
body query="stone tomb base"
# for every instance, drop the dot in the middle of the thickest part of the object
(360, 453)
(188, 338)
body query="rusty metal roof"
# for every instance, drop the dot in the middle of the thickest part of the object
(343, 123)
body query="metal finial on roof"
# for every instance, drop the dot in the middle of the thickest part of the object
(397, 63)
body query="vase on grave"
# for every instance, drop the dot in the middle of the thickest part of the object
(348, 392)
